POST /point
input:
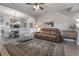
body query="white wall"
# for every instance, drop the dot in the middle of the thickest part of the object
(60, 21)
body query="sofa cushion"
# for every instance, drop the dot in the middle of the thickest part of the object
(53, 33)
(51, 36)
(41, 36)
(44, 35)
(44, 32)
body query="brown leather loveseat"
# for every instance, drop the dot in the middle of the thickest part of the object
(50, 34)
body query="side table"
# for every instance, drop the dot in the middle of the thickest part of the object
(69, 34)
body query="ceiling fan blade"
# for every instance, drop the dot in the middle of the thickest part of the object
(30, 3)
(41, 8)
(34, 3)
(41, 3)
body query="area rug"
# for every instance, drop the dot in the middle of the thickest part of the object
(35, 47)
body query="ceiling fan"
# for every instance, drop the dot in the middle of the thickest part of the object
(36, 6)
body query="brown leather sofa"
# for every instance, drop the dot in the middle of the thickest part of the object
(50, 34)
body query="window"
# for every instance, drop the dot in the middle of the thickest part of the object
(77, 23)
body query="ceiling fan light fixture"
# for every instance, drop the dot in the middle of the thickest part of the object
(36, 7)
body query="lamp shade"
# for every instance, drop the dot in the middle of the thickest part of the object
(36, 26)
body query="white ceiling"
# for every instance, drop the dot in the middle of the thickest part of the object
(10, 12)
(63, 8)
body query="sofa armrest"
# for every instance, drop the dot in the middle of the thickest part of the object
(59, 37)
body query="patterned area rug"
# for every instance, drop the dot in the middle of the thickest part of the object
(35, 47)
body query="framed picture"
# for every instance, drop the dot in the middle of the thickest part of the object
(50, 23)
(31, 25)
(7, 23)
(25, 25)
(1, 20)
